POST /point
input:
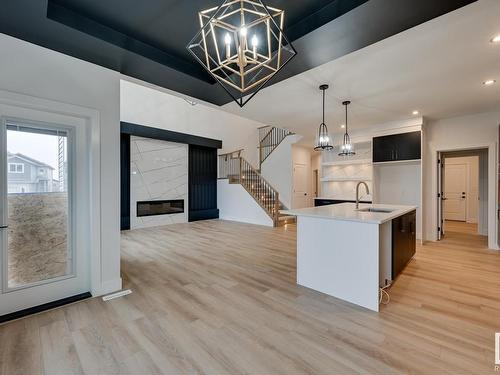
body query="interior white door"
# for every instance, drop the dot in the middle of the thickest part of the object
(300, 186)
(455, 188)
(44, 207)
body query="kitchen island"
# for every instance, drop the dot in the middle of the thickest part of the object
(349, 253)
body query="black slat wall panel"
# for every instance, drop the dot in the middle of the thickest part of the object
(202, 183)
(125, 181)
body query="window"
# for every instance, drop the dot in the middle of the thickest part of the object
(16, 168)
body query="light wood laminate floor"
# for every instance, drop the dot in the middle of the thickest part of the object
(219, 297)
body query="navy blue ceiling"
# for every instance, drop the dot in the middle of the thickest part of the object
(146, 39)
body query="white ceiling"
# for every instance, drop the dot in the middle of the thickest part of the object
(437, 68)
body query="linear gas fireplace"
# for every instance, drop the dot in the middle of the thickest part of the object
(164, 207)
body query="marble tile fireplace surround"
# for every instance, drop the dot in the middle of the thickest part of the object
(159, 182)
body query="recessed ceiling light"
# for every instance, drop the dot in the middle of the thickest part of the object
(495, 39)
(342, 126)
(489, 82)
(414, 113)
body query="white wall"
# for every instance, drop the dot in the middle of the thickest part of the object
(460, 133)
(399, 183)
(146, 106)
(277, 169)
(159, 172)
(236, 204)
(38, 72)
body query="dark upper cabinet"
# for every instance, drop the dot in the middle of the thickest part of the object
(397, 147)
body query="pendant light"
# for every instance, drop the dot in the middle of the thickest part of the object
(323, 140)
(346, 149)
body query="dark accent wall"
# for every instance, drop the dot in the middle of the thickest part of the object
(125, 181)
(202, 183)
(202, 174)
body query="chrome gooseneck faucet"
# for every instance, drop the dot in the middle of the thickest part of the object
(357, 192)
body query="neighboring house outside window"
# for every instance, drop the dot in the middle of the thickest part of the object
(16, 168)
(28, 175)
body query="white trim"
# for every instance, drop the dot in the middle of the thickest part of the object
(246, 220)
(107, 287)
(91, 117)
(410, 161)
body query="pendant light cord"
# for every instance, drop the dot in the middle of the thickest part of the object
(346, 118)
(324, 106)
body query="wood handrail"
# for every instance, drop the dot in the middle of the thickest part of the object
(270, 141)
(233, 152)
(239, 170)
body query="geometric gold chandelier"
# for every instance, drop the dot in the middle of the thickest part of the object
(242, 45)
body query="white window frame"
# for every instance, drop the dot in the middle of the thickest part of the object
(17, 165)
(86, 123)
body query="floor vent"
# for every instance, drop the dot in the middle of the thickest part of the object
(121, 293)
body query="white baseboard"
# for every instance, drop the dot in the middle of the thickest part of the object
(107, 287)
(248, 221)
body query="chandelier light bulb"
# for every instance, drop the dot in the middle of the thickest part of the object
(255, 41)
(227, 40)
(243, 31)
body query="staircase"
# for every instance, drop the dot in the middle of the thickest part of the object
(270, 137)
(239, 171)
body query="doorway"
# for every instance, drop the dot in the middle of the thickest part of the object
(463, 192)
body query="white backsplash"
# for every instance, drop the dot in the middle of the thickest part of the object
(159, 171)
(340, 175)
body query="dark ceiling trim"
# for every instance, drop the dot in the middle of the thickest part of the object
(362, 26)
(365, 25)
(68, 17)
(321, 17)
(168, 135)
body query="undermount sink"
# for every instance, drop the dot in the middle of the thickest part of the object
(372, 209)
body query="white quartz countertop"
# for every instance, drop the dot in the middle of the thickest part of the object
(348, 212)
(366, 198)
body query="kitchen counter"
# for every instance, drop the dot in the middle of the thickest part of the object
(348, 253)
(348, 212)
